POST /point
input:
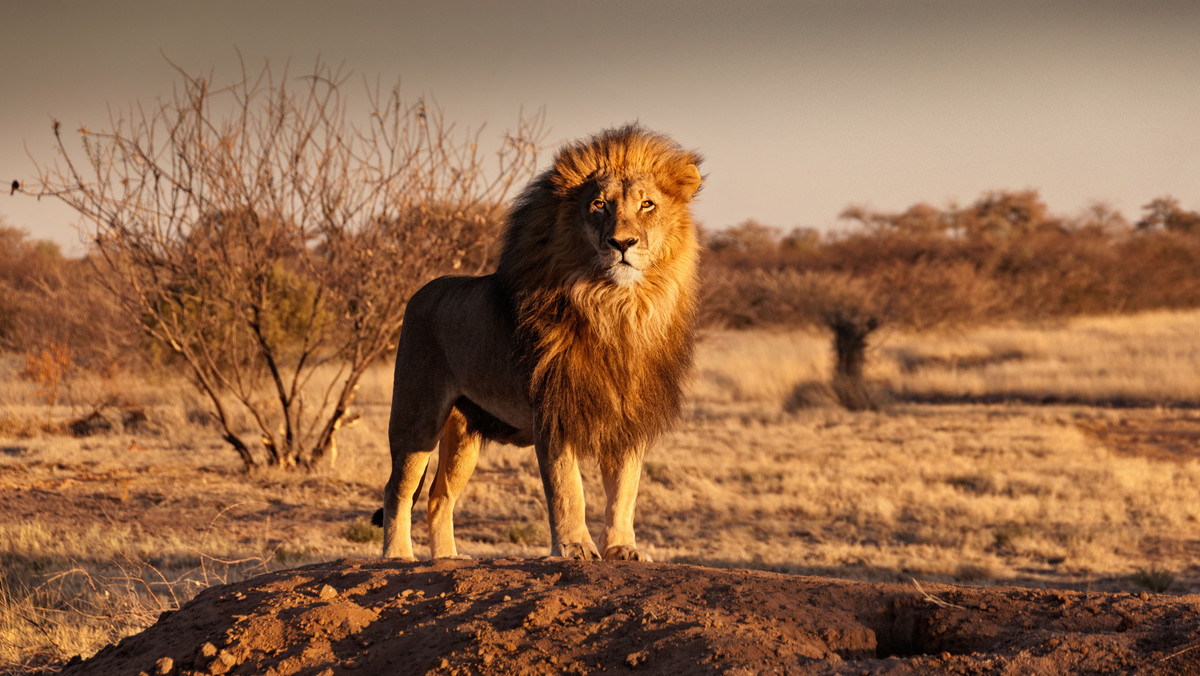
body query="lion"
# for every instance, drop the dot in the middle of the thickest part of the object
(577, 344)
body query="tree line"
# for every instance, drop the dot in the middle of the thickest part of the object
(1005, 256)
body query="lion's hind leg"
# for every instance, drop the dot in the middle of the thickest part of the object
(401, 491)
(457, 455)
(412, 434)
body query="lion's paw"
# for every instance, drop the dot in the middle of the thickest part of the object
(580, 551)
(625, 553)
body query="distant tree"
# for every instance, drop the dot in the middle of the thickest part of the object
(1164, 213)
(1101, 218)
(803, 240)
(1003, 216)
(919, 219)
(270, 246)
(749, 236)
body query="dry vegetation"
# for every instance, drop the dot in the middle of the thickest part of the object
(101, 533)
(1023, 385)
(256, 232)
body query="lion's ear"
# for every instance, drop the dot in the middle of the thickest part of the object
(689, 181)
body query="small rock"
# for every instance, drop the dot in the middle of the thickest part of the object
(164, 665)
(224, 663)
(636, 659)
(327, 593)
(208, 650)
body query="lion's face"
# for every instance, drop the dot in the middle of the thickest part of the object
(625, 220)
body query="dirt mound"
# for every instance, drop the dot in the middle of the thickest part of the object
(553, 616)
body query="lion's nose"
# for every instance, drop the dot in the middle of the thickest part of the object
(622, 245)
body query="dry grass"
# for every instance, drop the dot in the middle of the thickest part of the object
(1149, 358)
(99, 534)
(958, 493)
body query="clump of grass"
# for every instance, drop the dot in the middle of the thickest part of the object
(20, 427)
(291, 556)
(1154, 579)
(657, 471)
(524, 533)
(1006, 536)
(362, 531)
(1103, 360)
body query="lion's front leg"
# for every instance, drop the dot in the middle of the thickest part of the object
(621, 477)
(563, 486)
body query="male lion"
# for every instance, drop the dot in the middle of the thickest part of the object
(577, 344)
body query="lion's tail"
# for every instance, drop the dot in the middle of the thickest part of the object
(377, 518)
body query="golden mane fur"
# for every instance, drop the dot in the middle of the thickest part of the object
(621, 352)
(577, 344)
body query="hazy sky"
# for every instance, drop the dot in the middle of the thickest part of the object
(800, 108)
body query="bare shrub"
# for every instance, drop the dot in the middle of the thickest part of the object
(255, 235)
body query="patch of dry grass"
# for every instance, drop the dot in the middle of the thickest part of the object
(953, 493)
(100, 534)
(1146, 358)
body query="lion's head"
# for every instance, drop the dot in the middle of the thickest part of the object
(629, 222)
(612, 208)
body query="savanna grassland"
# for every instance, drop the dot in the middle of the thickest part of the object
(1059, 454)
(983, 394)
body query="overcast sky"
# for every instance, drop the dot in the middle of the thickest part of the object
(800, 108)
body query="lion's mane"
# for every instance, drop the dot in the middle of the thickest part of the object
(605, 363)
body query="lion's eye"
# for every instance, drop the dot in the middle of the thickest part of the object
(647, 205)
(597, 205)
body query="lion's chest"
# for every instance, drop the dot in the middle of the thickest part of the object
(604, 384)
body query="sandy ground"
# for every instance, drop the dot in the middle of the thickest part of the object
(535, 615)
(550, 616)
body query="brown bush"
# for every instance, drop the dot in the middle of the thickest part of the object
(47, 299)
(1004, 256)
